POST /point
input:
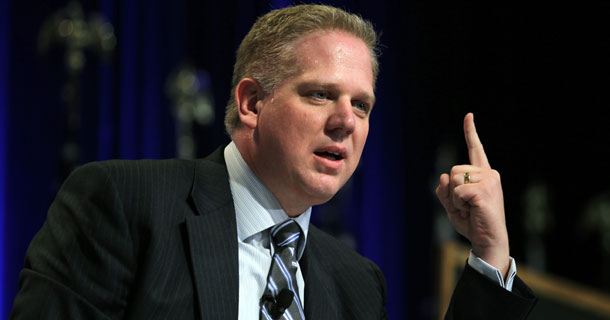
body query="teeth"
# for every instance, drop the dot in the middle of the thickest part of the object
(330, 155)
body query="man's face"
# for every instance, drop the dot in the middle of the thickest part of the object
(311, 130)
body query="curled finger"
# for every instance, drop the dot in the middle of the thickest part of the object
(443, 192)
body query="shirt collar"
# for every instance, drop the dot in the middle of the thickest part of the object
(256, 208)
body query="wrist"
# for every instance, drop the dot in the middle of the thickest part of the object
(498, 257)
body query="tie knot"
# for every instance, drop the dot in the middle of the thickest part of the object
(286, 234)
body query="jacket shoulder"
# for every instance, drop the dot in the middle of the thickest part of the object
(137, 168)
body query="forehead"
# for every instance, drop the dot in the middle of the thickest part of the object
(334, 55)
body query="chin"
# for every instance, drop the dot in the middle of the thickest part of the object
(320, 200)
(320, 193)
(319, 188)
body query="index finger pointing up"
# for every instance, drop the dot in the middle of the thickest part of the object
(475, 147)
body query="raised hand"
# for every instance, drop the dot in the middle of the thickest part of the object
(472, 197)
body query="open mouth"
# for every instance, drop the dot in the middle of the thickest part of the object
(329, 155)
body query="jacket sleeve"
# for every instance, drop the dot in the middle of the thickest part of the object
(477, 297)
(81, 263)
(383, 288)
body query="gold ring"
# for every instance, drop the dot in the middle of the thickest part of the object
(467, 178)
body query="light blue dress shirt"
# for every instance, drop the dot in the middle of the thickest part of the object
(257, 210)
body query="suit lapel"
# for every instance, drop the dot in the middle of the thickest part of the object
(212, 240)
(320, 292)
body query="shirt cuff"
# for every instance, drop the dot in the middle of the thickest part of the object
(492, 273)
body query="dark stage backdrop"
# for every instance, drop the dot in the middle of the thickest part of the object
(535, 76)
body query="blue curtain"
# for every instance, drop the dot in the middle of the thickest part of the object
(4, 62)
(125, 114)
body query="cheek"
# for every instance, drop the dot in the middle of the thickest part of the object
(306, 125)
(360, 137)
(358, 142)
(291, 132)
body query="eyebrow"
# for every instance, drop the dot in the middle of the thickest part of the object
(308, 85)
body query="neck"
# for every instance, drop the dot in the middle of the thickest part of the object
(246, 148)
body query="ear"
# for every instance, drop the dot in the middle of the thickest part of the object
(248, 96)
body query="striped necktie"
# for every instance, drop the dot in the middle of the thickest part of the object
(281, 297)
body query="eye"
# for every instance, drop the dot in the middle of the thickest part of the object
(320, 95)
(361, 106)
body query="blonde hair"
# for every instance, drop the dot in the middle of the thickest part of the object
(266, 53)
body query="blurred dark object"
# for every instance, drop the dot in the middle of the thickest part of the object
(68, 29)
(539, 221)
(189, 90)
(595, 226)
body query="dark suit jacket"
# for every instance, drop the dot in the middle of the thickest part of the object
(157, 240)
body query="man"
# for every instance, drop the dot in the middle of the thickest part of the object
(197, 239)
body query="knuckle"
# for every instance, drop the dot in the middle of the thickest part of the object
(455, 179)
(494, 178)
(453, 171)
(457, 170)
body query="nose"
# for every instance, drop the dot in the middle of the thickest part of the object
(341, 122)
